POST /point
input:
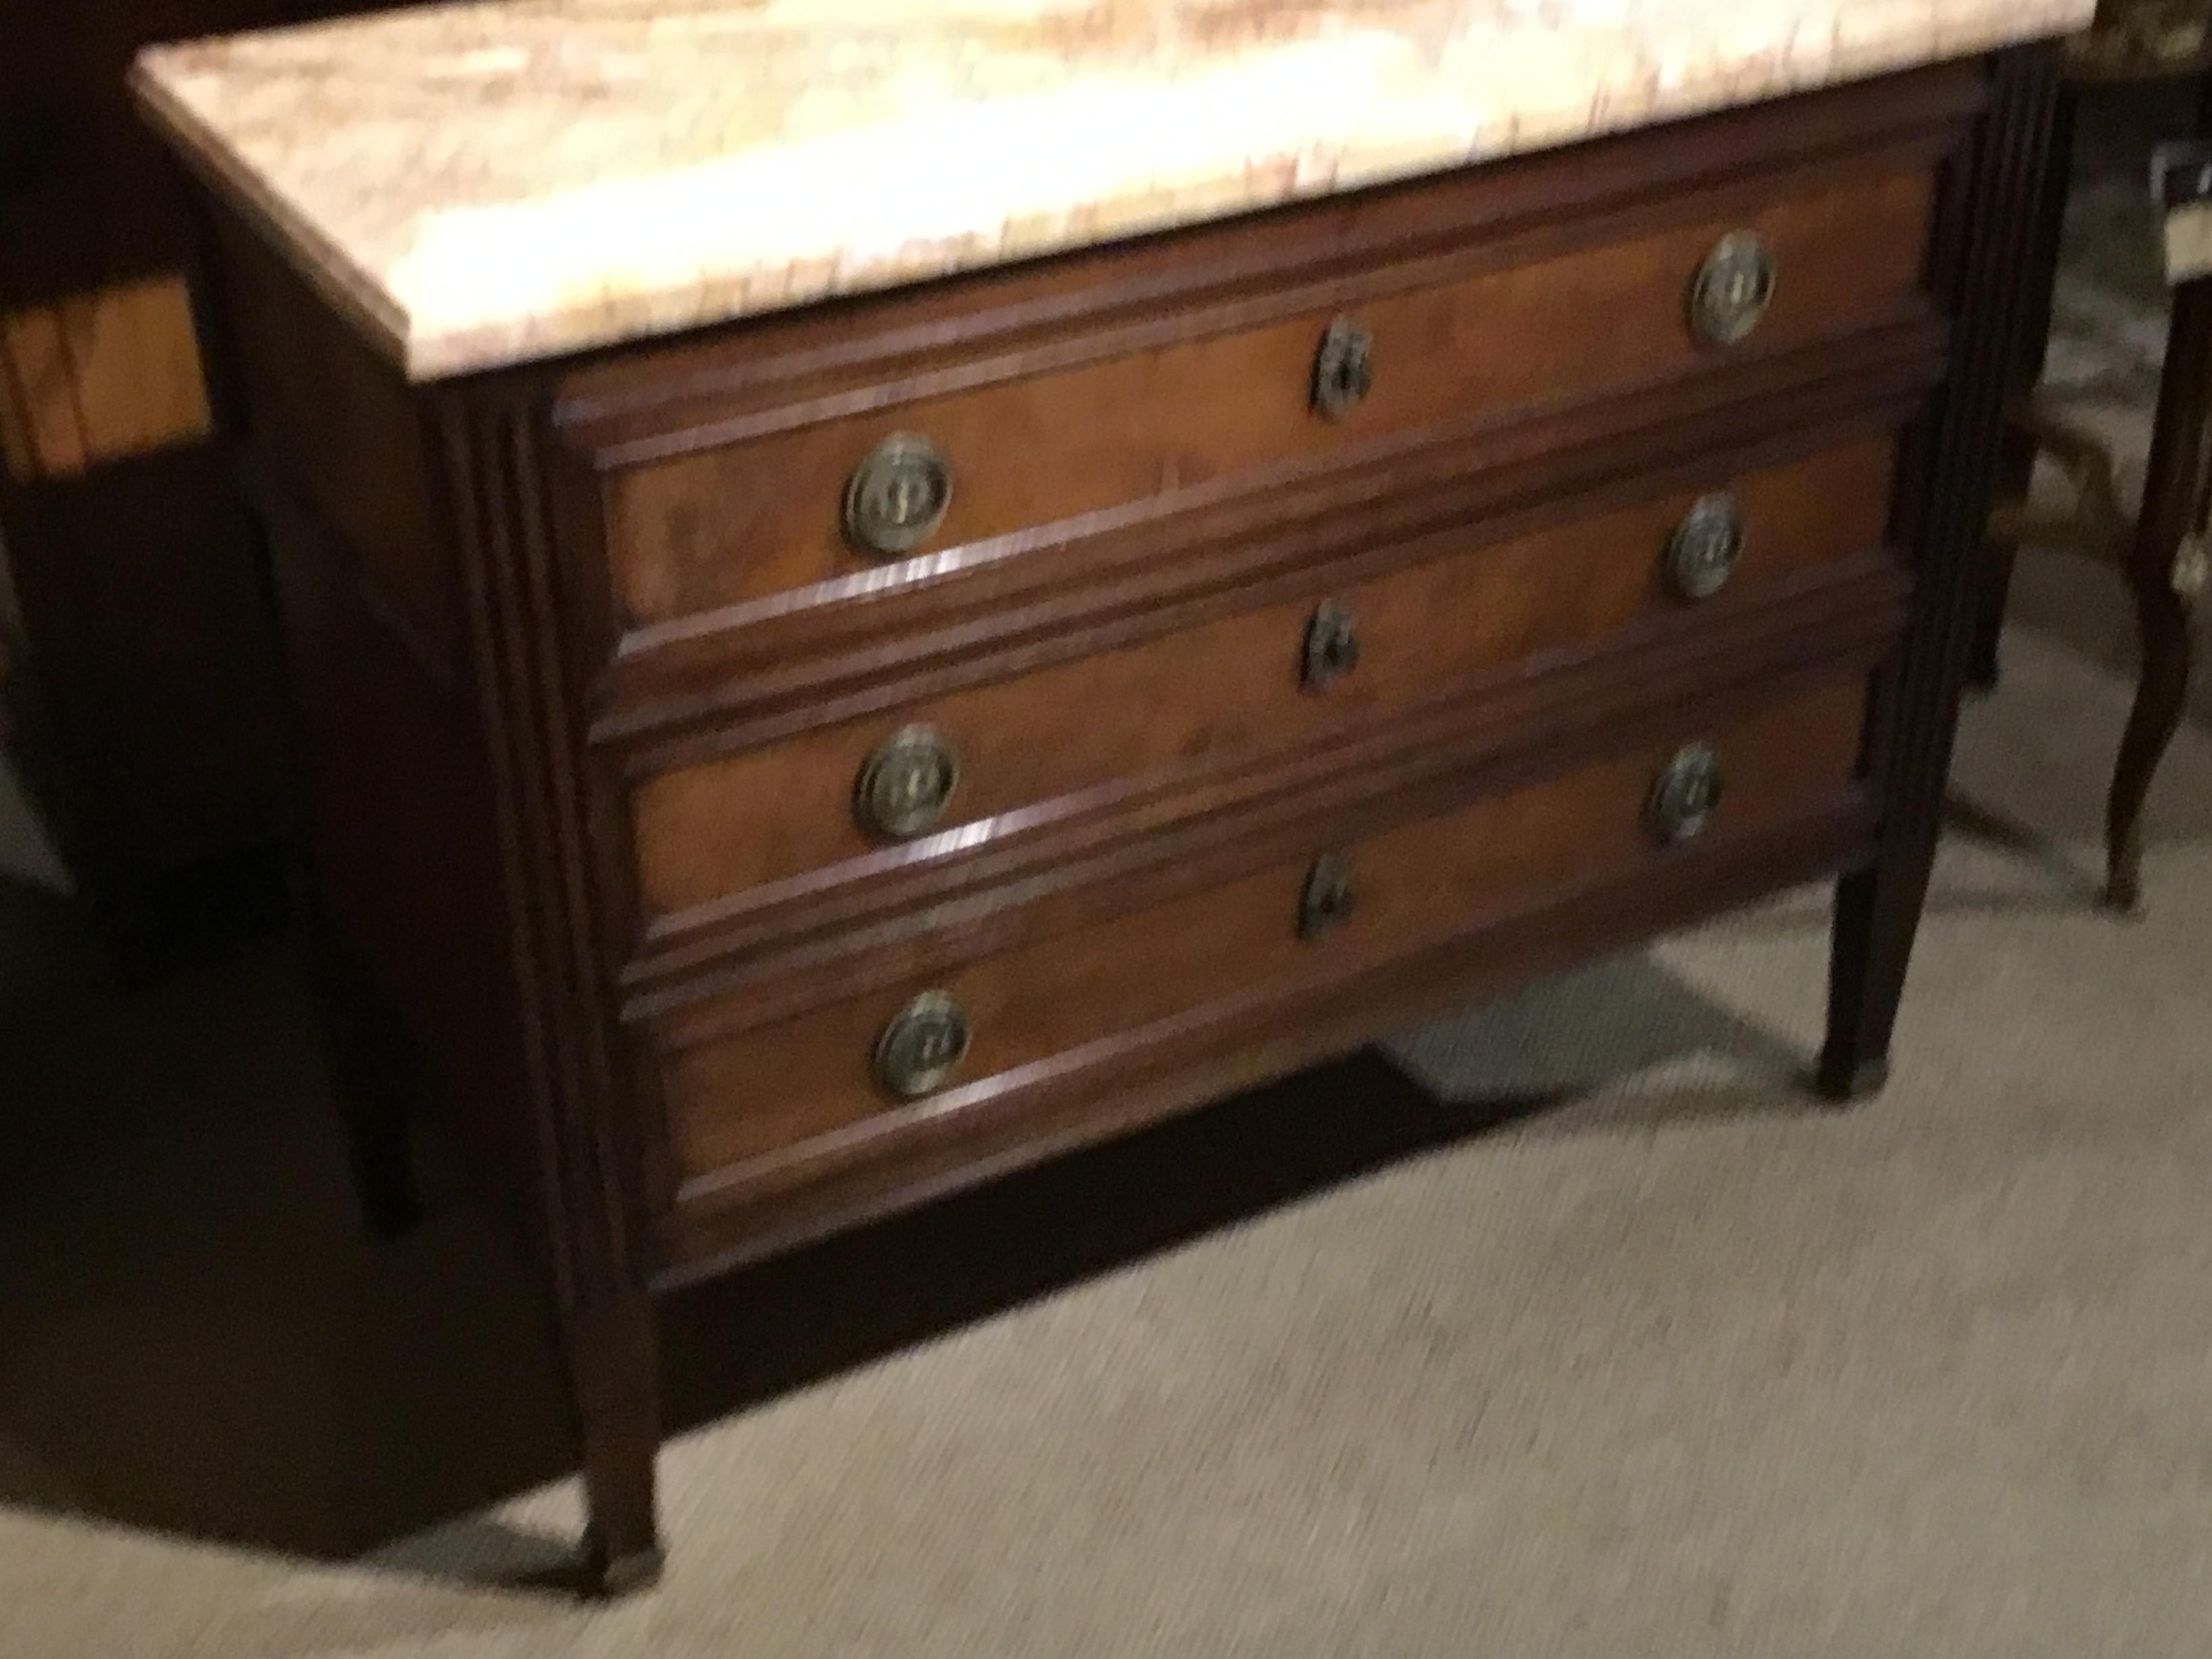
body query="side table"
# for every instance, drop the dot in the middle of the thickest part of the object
(2161, 551)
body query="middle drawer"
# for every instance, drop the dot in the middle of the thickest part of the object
(930, 778)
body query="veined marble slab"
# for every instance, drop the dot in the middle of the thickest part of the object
(489, 183)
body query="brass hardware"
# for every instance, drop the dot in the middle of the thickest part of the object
(1328, 896)
(1344, 368)
(905, 786)
(922, 1046)
(1332, 646)
(1732, 289)
(1706, 545)
(898, 495)
(1683, 800)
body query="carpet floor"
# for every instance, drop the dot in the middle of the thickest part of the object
(1567, 1327)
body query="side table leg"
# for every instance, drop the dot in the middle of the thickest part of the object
(2167, 639)
(2176, 482)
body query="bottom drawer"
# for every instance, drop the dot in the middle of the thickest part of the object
(765, 1107)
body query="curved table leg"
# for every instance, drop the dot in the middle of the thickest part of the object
(2164, 568)
(2165, 619)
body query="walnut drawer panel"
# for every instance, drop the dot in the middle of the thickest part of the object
(751, 519)
(1042, 1005)
(707, 832)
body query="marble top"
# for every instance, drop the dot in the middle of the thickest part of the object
(489, 183)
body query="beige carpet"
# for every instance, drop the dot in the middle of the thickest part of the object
(1611, 1345)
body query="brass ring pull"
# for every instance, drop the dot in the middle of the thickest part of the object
(1732, 289)
(1328, 896)
(897, 496)
(1705, 547)
(922, 1046)
(1344, 368)
(1332, 645)
(905, 786)
(1683, 800)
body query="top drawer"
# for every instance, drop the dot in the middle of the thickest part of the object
(1362, 364)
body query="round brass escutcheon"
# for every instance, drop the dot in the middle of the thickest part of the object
(1332, 645)
(906, 785)
(922, 1046)
(1328, 896)
(1732, 288)
(898, 495)
(1705, 547)
(1683, 800)
(1344, 368)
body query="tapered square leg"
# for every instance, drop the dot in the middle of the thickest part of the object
(1877, 911)
(1951, 463)
(614, 1365)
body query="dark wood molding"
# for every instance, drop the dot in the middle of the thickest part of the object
(495, 486)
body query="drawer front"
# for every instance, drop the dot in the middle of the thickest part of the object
(763, 517)
(1266, 678)
(757, 1108)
